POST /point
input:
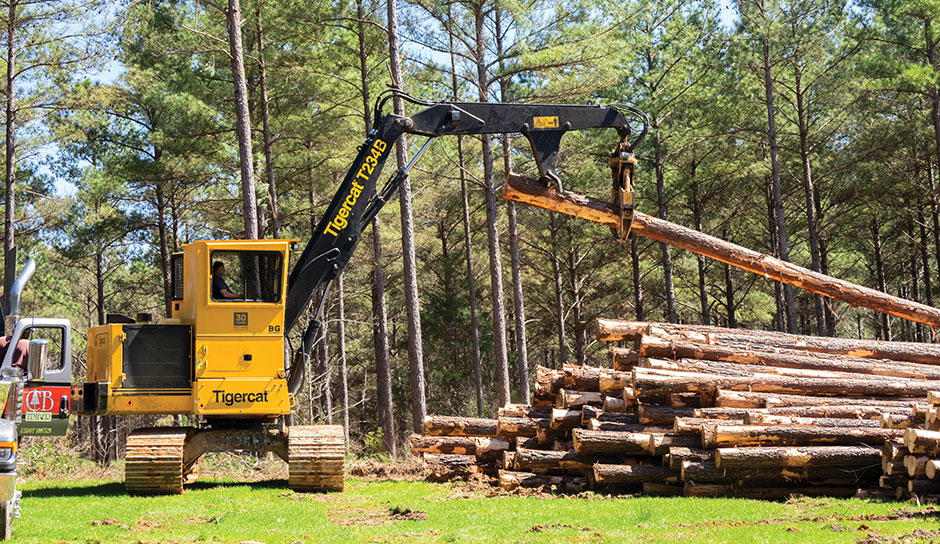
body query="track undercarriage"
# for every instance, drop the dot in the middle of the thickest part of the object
(160, 460)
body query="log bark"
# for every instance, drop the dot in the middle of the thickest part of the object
(624, 359)
(574, 399)
(613, 382)
(676, 381)
(563, 420)
(511, 427)
(614, 405)
(510, 480)
(721, 413)
(799, 456)
(450, 467)
(542, 460)
(489, 449)
(462, 445)
(459, 426)
(752, 399)
(924, 487)
(632, 474)
(916, 465)
(547, 381)
(736, 369)
(580, 378)
(653, 489)
(661, 443)
(677, 455)
(652, 346)
(932, 469)
(588, 442)
(771, 419)
(922, 441)
(693, 425)
(661, 415)
(613, 330)
(598, 425)
(525, 410)
(783, 435)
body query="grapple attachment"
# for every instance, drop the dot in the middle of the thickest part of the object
(623, 167)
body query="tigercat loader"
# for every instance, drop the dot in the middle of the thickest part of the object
(221, 355)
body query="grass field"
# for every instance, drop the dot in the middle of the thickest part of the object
(88, 510)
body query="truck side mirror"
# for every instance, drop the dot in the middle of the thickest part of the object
(36, 360)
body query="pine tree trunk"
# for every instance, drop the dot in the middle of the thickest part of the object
(266, 125)
(559, 306)
(779, 303)
(777, 190)
(808, 187)
(412, 307)
(671, 314)
(164, 247)
(380, 341)
(341, 332)
(637, 284)
(9, 259)
(935, 213)
(492, 220)
(233, 20)
(925, 259)
(729, 289)
(468, 248)
(702, 277)
(880, 273)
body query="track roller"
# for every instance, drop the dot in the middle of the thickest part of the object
(316, 456)
(154, 463)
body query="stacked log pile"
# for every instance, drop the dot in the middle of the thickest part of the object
(911, 465)
(707, 411)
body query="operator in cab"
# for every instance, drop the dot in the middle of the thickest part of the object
(220, 290)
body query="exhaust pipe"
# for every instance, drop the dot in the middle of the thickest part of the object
(16, 294)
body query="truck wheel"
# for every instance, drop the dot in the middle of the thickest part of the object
(6, 520)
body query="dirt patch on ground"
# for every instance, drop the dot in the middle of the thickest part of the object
(917, 536)
(403, 536)
(362, 515)
(393, 470)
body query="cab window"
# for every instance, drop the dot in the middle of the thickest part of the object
(245, 276)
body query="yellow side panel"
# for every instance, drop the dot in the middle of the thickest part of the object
(105, 353)
(137, 401)
(236, 397)
(260, 357)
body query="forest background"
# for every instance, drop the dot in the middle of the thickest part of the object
(805, 129)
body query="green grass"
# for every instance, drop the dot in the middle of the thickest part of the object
(217, 510)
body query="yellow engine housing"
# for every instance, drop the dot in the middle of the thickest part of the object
(213, 357)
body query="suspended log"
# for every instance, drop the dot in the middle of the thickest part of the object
(628, 474)
(542, 460)
(662, 443)
(675, 381)
(525, 410)
(510, 480)
(462, 445)
(922, 441)
(797, 456)
(772, 419)
(661, 415)
(914, 352)
(588, 442)
(575, 399)
(624, 359)
(653, 346)
(564, 420)
(794, 435)
(459, 426)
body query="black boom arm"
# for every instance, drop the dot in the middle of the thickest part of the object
(356, 201)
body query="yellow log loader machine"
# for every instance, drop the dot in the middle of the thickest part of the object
(222, 357)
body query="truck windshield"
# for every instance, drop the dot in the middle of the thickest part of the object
(245, 276)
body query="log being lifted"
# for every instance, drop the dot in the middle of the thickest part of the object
(519, 189)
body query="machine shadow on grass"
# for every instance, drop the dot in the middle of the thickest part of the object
(113, 489)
